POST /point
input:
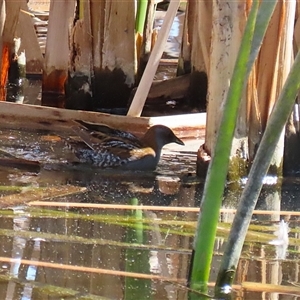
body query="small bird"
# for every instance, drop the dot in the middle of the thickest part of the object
(106, 147)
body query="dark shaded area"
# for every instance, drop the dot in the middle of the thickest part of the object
(16, 71)
(291, 164)
(198, 90)
(110, 89)
(78, 95)
(203, 160)
(16, 80)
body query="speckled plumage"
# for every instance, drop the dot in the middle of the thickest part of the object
(106, 147)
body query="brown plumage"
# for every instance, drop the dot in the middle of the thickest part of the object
(106, 147)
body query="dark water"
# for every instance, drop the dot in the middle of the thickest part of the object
(61, 238)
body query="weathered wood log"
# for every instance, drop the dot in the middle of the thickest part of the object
(173, 88)
(24, 116)
(20, 163)
(275, 61)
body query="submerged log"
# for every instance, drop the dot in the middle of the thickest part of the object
(174, 88)
(184, 90)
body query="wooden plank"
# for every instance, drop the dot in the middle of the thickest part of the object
(23, 116)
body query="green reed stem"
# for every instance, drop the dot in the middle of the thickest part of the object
(275, 125)
(218, 168)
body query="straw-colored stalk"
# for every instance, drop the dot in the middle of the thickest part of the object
(29, 42)
(102, 54)
(268, 77)
(195, 47)
(292, 141)
(117, 30)
(196, 37)
(78, 85)
(57, 48)
(97, 28)
(81, 44)
(265, 83)
(9, 15)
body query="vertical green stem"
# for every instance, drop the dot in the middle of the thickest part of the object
(217, 172)
(137, 260)
(275, 125)
(140, 16)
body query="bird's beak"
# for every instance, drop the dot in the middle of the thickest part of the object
(178, 141)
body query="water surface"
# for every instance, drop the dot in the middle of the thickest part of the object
(66, 234)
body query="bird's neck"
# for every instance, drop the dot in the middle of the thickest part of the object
(150, 140)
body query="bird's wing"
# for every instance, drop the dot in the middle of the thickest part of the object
(86, 137)
(102, 129)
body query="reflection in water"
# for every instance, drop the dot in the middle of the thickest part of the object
(117, 253)
(282, 240)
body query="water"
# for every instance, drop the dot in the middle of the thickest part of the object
(65, 232)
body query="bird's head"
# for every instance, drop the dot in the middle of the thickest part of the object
(159, 135)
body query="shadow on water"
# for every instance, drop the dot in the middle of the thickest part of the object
(65, 232)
